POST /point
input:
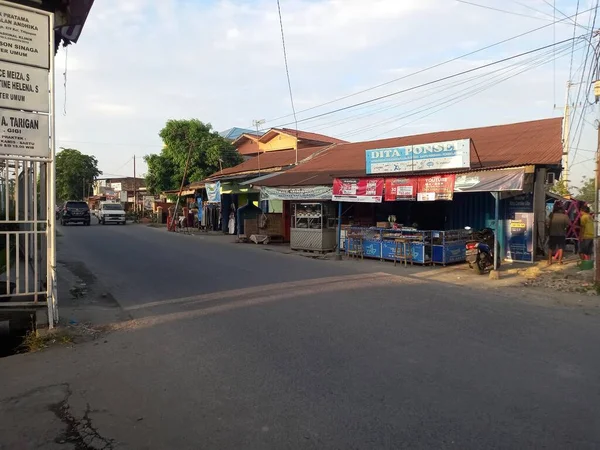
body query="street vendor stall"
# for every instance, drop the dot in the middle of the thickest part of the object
(313, 227)
(426, 247)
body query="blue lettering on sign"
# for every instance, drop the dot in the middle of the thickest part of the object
(399, 159)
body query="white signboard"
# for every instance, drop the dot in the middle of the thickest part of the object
(24, 37)
(23, 87)
(436, 156)
(24, 134)
(116, 186)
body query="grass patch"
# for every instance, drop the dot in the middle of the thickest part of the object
(34, 341)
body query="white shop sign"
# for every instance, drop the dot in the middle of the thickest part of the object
(23, 87)
(24, 37)
(24, 134)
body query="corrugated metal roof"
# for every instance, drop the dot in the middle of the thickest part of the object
(235, 132)
(536, 142)
(269, 160)
(308, 136)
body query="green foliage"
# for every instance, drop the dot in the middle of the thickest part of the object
(209, 152)
(587, 191)
(75, 174)
(560, 188)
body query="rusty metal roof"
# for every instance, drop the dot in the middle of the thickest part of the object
(537, 142)
(269, 161)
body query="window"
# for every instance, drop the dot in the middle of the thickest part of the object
(115, 207)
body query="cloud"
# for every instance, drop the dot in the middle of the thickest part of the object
(141, 62)
(112, 109)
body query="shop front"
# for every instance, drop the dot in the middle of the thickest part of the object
(309, 216)
(429, 213)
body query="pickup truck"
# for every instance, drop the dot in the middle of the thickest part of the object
(111, 213)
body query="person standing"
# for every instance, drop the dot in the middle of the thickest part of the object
(586, 234)
(557, 232)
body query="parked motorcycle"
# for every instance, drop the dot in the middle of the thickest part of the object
(480, 250)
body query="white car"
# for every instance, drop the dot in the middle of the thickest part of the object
(111, 213)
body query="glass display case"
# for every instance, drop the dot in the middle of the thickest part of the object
(313, 227)
(449, 246)
(382, 243)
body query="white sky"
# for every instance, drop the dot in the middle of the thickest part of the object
(141, 62)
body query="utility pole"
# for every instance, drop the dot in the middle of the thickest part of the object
(257, 124)
(134, 187)
(597, 177)
(566, 138)
(597, 184)
(83, 188)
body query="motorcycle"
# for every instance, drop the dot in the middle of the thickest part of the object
(480, 250)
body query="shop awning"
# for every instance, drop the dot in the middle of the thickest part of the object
(491, 180)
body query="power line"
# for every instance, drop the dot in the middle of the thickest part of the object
(365, 102)
(430, 67)
(501, 10)
(287, 72)
(573, 50)
(556, 10)
(458, 97)
(534, 9)
(581, 83)
(434, 91)
(108, 143)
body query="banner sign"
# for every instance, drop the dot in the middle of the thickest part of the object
(24, 37)
(437, 156)
(24, 134)
(437, 187)
(360, 190)
(213, 192)
(148, 201)
(401, 189)
(518, 231)
(23, 87)
(296, 193)
(490, 181)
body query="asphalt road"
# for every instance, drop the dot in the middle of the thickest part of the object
(233, 346)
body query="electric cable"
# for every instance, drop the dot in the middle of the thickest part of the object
(430, 67)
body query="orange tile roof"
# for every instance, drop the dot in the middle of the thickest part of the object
(308, 136)
(535, 142)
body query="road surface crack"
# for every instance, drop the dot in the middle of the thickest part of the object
(79, 432)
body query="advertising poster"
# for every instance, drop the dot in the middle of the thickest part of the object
(438, 187)
(397, 189)
(296, 193)
(213, 192)
(435, 156)
(519, 228)
(360, 190)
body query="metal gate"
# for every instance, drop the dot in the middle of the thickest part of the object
(27, 247)
(27, 171)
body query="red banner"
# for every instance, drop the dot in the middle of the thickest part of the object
(400, 189)
(438, 187)
(360, 190)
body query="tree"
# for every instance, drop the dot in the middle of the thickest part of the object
(560, 188)
(209, 151)
(587, 191)
(75, 174)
